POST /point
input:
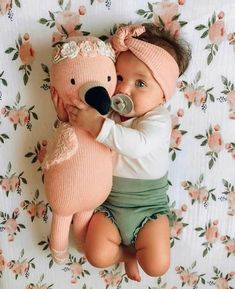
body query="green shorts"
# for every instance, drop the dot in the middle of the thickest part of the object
(133, 202)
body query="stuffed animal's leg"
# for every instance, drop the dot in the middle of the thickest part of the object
(59, 237)
(80, 225)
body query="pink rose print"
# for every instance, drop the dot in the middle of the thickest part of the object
(176, 134)
(39, 284)
(230, 195)
(26, 54)
(19, 115)
(229, 92)
(2, 263)
(82, 10)
(39, 153)
(221, 280)
(165, 15)
(188, 277)
(51, 22)
(76, 268)
(68, 25)
(214, 141)
(229, 245)
(231, 39)
(197, 192)
(11, 182)
(10, 225)
(177, 225)
(231, 103)
(21, 266)
(113, 277)
(211, 234)
(26, 51)
(194, 93)
(230, 147)
(5, 6)
(36, 208)
(215, 31)
(67, 22)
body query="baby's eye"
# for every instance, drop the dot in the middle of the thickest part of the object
(119, 78)
(140, 83)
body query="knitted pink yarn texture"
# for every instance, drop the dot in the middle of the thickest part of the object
(82, 181)
(75, 187)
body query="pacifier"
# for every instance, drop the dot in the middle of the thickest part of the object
(122, 103)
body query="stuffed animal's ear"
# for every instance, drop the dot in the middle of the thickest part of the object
(56, 37)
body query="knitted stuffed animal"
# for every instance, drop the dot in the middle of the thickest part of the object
(78, 170)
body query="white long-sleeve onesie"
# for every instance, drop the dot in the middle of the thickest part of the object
(140, 144)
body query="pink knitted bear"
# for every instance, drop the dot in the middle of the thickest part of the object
(78, 170)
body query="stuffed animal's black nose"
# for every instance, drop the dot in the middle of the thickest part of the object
(98, 98)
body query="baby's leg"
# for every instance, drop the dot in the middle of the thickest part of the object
(153, 246)
(131, 265)
(80, 225)
(103, 245)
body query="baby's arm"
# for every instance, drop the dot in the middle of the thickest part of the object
(147, 134)
(150, 133)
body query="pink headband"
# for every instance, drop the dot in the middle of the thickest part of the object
(161, 64)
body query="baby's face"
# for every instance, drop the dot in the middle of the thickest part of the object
(135, 80)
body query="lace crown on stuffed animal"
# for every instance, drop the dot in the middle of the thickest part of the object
(86, 48)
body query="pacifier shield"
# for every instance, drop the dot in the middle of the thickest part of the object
(122, 104)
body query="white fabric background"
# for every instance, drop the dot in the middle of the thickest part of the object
(189, 268)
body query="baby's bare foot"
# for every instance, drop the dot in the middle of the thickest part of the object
(131, 265)
(132, 270)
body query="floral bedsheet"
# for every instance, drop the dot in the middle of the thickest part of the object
(202, 151)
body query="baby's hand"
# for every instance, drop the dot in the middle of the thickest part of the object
(86, 118)
(59, 106)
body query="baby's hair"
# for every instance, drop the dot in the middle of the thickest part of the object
(178, 48)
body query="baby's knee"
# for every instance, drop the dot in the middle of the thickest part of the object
(155, 267)
(94, 258)
(158, 270)
(97, 257)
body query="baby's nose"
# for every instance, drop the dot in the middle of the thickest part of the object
(123, 87)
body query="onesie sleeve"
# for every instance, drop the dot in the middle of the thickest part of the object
(146, 134)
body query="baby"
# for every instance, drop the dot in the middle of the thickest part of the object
(132, 225)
